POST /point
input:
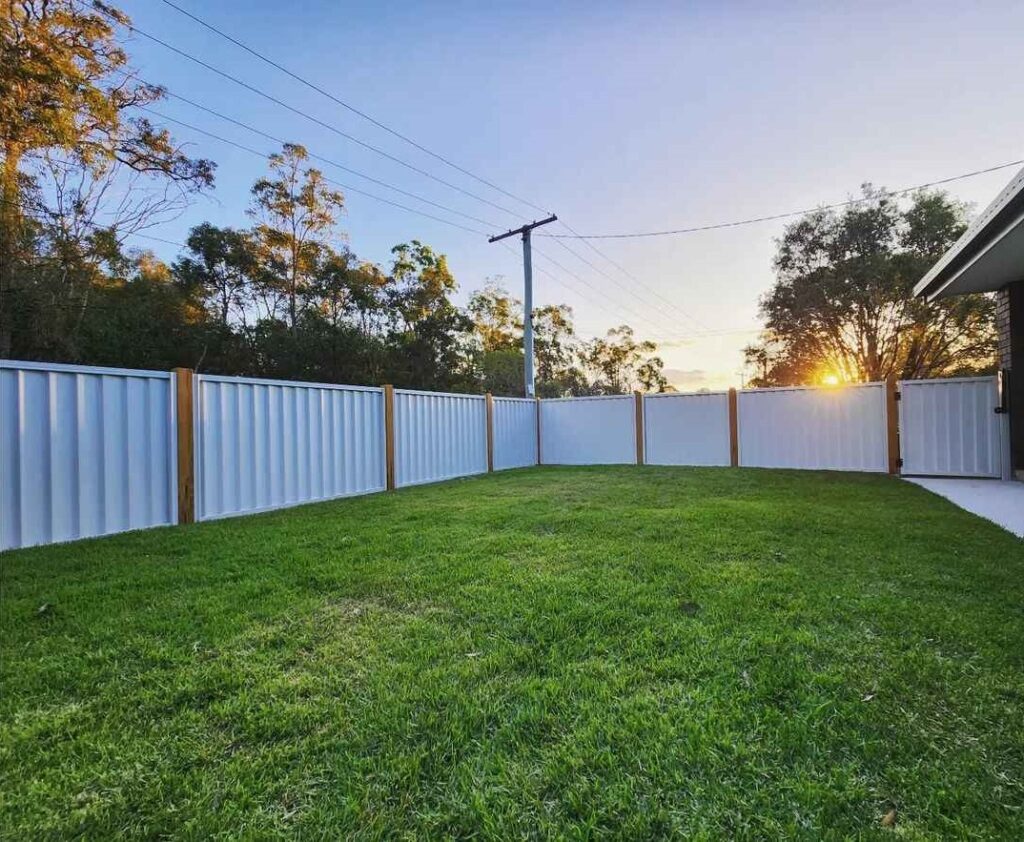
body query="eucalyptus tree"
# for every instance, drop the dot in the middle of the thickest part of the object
(296, 216)
(79, 165)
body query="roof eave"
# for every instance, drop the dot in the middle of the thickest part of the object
(990, 221)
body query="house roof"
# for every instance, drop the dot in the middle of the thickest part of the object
(989, 255)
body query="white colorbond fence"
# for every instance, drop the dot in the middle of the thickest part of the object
(950, 427)
(88, 451)
(687, 429)
(588, 431)
(83, 452)
(265, 444)
(515, 433)
(817, 428)
(439, 436)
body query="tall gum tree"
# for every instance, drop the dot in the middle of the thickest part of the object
(296, 215)
(65, 88)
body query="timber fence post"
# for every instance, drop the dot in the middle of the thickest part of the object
(184, 415)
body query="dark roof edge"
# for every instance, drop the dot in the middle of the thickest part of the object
(990, 221)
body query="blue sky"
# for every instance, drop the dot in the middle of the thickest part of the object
(619, 117)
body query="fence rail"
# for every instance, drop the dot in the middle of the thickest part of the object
(88, 451)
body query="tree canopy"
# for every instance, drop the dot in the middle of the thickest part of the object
(842, 307)
(83, 171)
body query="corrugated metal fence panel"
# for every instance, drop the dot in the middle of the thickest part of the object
(515, 433)
(840, 429)
(83, 451)
(266, 444)
(438, 436)
(949, 427)
(588, 431)
(690, 429)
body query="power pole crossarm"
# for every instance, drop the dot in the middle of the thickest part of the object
(525, 229)
(527, 296)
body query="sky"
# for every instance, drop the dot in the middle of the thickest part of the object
(619, 117)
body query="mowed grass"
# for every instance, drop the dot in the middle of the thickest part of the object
(567, 652)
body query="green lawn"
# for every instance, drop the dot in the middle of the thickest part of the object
(576, 652)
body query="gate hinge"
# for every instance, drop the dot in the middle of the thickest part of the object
(898, 395)
(899, 462)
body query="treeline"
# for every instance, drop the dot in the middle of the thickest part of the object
(84, 174)
(281, 299)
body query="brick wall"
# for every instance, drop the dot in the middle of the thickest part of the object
(1003, 326)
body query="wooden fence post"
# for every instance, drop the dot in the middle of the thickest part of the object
(389, 435)
(734, 429)
(490, 432)
(183, 402)
(892, 419)
(539, 460)
(638, 405)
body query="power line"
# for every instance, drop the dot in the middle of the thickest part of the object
(756, 219)
(91, 224)
(310, 117)
(265, 156)
(560, 281)
(573, 234)
(351, 189)
(552, 276)
(602, 273)
(635, 279)
(636, 313)
(317, 157)
(347, 136)
(262, 57)
(448, 162)
(349, 107)
(271, 137)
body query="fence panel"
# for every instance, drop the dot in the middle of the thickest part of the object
(949, 427)
(686, 429)
(84, 451)
(267, 444)
(839, 429)
(438, 436)
(588, 431)
(515, 433)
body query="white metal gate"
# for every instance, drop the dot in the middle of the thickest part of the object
(950, 427)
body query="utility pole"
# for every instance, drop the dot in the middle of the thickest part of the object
(527, 295)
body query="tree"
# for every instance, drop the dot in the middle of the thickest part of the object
(63, 93)
(497, 317)
(430, 336)
(555, 353)
(296, 214)
(843, 306)
(219, 264)
(619, 363)
(498, 325)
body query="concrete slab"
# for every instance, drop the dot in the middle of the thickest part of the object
(999, 502)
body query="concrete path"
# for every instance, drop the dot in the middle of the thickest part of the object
(999, 502)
